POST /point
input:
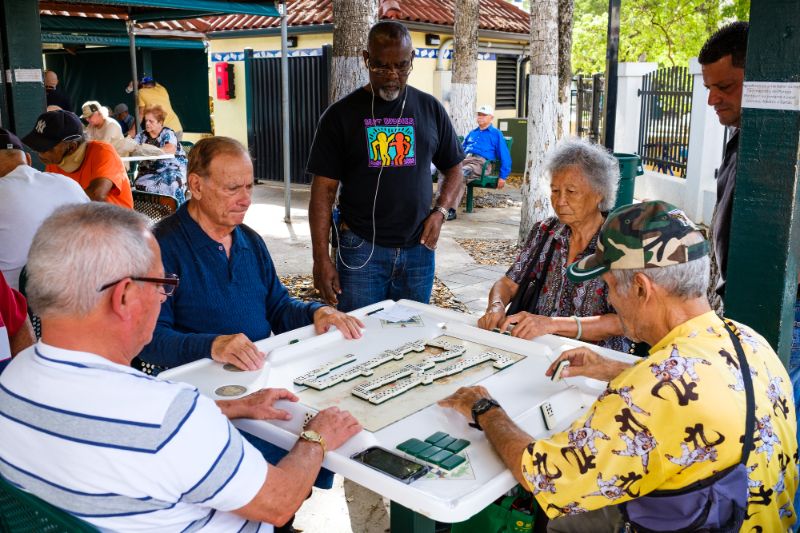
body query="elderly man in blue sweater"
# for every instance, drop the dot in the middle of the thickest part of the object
(484, 143)
(229, 294)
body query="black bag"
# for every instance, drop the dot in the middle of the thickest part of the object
(715, 504)
(527, 295)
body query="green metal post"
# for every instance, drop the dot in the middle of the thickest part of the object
(765, 231)
(404, 520)
(22, 47)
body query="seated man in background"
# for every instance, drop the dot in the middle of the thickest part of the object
(16, 332)
(134, 453)
(100, 126)
(125, 120)
(484, 143)
(59, 140)
(672, 420)
(27, 197)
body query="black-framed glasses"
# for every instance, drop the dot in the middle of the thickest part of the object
(385, 72)
(167, 284)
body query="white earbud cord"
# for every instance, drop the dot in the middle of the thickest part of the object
(374, 200)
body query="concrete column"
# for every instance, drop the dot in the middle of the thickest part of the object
(626, 134)
(705, 152)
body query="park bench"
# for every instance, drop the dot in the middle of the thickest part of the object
(486, 181)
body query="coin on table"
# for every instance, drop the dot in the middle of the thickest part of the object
(230, 390)
(230, 367)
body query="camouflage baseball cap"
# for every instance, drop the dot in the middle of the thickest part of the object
(645, 235)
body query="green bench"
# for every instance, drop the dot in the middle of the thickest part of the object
(22, 512)
(486, 181)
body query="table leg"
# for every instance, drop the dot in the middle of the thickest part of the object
(404, 520)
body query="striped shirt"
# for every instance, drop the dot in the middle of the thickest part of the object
(120, 449)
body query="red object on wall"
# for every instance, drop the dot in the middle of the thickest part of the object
(225, 85)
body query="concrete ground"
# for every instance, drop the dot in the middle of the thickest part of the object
(290, 246)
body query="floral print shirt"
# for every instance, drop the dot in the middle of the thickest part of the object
(559, 296)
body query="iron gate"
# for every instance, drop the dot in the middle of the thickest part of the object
(308, 98)
(588, 106)
(665, 120)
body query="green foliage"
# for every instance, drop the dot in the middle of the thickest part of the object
(667, 32)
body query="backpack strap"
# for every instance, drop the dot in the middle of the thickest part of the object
(750, 416)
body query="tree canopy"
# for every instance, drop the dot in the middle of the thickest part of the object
(667, 32)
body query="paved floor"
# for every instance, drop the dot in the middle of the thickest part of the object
(290, 246)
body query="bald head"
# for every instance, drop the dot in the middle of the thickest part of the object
(387, 33)
(50, 79)
(11, 159)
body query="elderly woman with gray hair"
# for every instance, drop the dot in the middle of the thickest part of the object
(583, 184)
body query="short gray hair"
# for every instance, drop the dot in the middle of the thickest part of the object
(78, 249)
(600, 168)
(684, 280)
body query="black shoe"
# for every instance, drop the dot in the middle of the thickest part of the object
(451, 214)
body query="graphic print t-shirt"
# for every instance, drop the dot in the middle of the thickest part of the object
(352, 145)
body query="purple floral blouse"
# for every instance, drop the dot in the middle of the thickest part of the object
(560, 296)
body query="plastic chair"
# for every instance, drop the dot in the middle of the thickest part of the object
(22, 512)
(155, 206)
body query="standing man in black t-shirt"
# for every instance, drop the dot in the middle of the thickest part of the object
(378, 143)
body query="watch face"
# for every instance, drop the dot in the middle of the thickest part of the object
(482, 405)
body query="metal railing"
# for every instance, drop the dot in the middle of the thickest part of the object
(664, 124)
(587, 106)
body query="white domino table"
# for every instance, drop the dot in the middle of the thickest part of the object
(520, 388)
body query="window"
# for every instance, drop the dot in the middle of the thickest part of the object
(505, 96)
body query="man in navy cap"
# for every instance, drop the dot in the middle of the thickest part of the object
(59, 140)
(27, 197)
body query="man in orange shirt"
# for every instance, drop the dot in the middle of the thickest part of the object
(58, 139)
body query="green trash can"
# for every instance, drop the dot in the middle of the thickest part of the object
(630, 166)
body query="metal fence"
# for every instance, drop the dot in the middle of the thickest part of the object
(587, 106)
(664, 124)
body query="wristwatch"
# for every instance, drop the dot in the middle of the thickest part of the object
(442, 210)
(313, 436)
(480, 407)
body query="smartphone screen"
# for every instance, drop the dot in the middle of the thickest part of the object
(391, 464)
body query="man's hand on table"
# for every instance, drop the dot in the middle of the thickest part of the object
(237, 350)
(326, 280)
(464, 398)
(335, 426)
(258, 405)
(326, 317)
(585, 362)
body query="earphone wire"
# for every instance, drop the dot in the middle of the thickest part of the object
(375, 198)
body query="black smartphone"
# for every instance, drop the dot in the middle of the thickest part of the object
(391, 464)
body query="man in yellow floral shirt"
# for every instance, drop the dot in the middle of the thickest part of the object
(673, 418)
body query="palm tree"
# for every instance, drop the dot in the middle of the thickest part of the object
(352, 20)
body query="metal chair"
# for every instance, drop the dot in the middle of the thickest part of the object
(21, 512)
(155, 206)
(187, 146)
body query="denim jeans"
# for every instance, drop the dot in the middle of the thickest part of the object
(273, 454)
(794, 375)
(390, 274)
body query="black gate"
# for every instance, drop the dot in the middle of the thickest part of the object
(665, 120)
(308, 98)
(588, 106)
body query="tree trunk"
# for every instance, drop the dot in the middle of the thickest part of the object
(566, 9)
(543, 113)
(463, 87)
(352, 20)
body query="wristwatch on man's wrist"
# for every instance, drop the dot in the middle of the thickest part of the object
(313, 436)
(442, 210)
(479, 407)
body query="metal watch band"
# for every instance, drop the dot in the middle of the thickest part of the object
(442, 210)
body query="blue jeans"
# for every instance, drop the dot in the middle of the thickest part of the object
(794, 374)
(273, 454)
(390, 274)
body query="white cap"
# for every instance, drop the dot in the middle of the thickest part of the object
(486, 109)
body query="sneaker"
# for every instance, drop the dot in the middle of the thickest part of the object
(451, 214)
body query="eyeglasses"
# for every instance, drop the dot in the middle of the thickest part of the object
(385, 72)
(168, 284)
